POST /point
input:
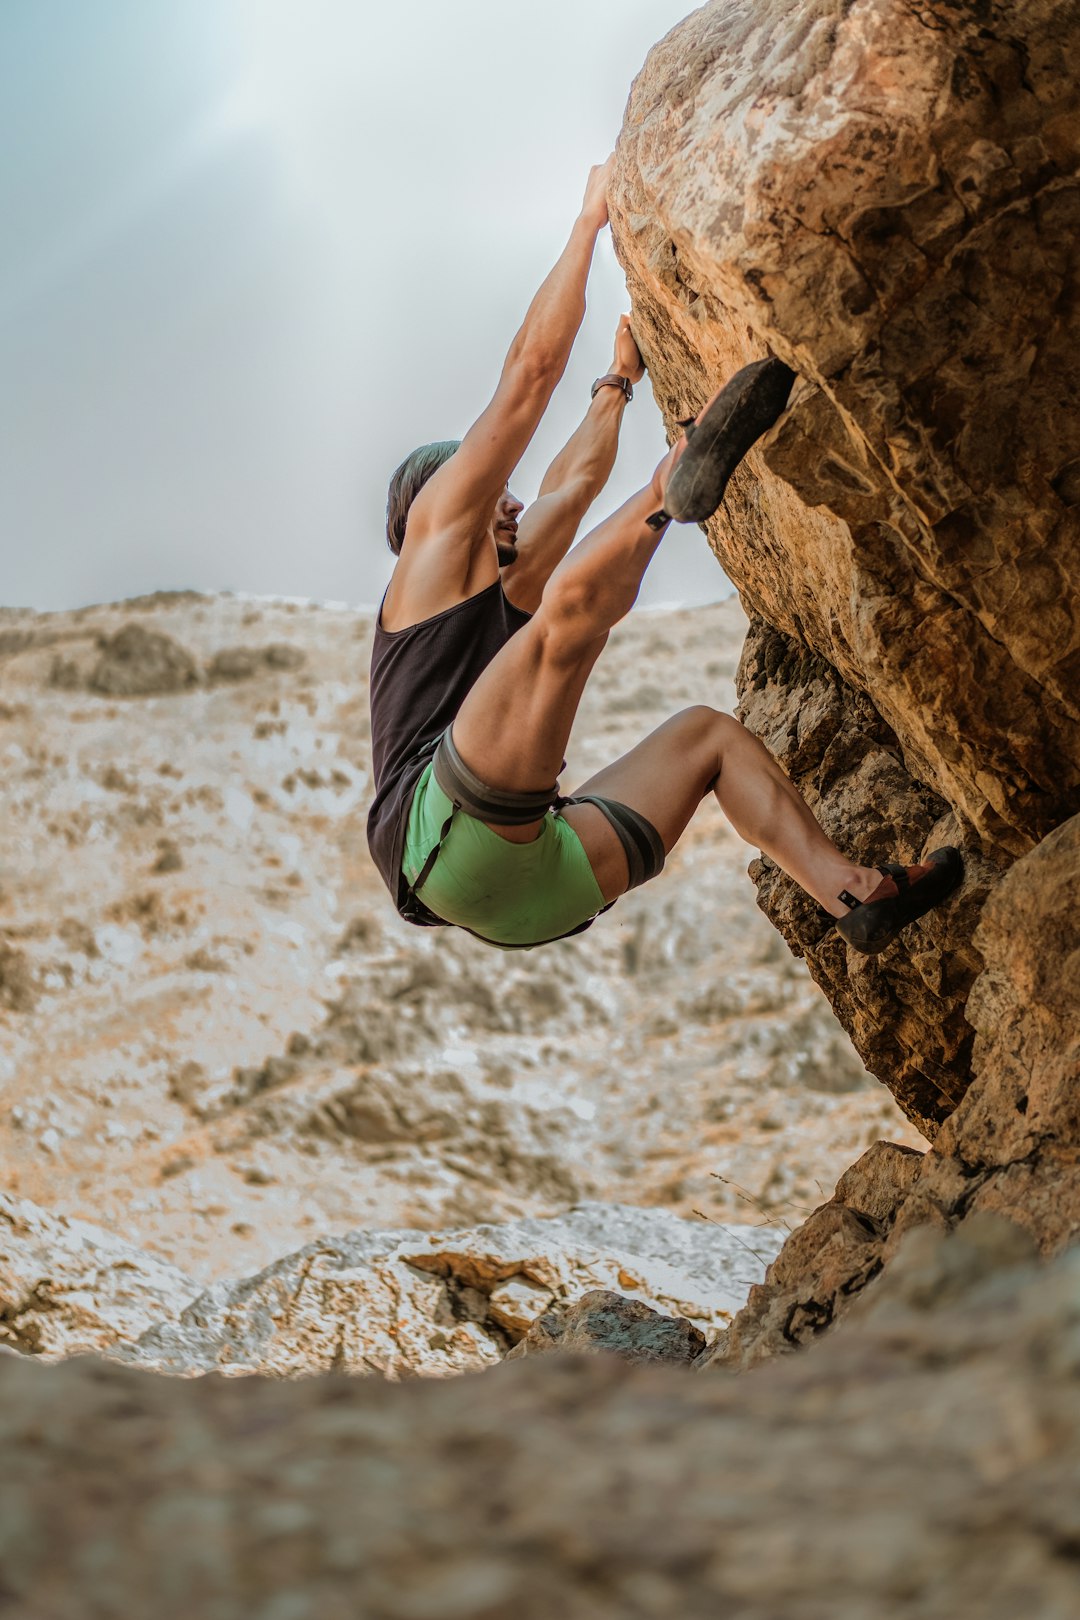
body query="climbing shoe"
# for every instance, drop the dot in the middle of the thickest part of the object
(717, 441)
(904, 893)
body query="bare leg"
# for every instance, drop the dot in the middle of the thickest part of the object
(665, 778)
(513, 727)
(767, 810)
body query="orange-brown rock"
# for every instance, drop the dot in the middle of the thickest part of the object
(885, 196)
(1011, 1149)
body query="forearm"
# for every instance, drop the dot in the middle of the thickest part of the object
(456, 504)
(552, 320)
(570, 486)
(589, 454)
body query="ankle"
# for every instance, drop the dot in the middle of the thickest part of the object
(861, 882)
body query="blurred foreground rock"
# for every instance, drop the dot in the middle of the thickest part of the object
(921, 1463)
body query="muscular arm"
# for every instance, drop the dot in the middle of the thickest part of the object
(571, 484)
(448, 553)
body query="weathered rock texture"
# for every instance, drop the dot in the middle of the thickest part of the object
(407, 1303)
(921, 1464)
(602, 1321)
(66, 1286)
(885, 195)
(1012, 1147)
(394, 1303)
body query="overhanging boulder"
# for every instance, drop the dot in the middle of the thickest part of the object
(885, 195)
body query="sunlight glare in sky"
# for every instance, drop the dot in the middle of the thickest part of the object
(260, 250)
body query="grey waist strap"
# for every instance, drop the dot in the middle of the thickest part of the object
(468, 793)
(639, 838)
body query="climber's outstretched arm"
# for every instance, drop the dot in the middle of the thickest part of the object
(572, 482)
(447, 540)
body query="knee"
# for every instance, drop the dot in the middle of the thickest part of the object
(709, 734)
(564, 622)
(711, 728)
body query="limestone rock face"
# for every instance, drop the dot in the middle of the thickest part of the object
(886, 197)
(905, 1009)
(824, 1265)
(921, 1462)
(1014, 1141)
(395, 1303)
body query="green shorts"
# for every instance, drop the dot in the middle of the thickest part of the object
(509, 894)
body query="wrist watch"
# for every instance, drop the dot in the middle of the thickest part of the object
(613, 380)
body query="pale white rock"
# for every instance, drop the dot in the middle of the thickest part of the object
(67, 1286)
(402, 1303)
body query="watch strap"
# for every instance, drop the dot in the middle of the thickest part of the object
(612, 380)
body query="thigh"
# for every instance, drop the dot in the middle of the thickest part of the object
(513, 727)
(664, 779)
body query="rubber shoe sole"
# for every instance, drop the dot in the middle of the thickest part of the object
(743, 410)
(875, 924)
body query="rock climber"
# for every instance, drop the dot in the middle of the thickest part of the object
(488, 632)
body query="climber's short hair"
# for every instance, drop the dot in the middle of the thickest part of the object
(407, 482)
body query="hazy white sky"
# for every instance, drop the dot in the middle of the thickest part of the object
(257, 250)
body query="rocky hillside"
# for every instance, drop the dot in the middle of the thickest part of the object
(221, 1045)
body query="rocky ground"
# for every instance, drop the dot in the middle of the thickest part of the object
(219, 1043)
(397, 1303)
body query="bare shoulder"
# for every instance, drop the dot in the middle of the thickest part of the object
(425, 584)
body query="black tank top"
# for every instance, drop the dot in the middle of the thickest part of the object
(419, 680)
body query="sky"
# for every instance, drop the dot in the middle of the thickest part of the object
(255, 251)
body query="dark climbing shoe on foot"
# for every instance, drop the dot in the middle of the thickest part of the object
(904, 893)
(741, 412)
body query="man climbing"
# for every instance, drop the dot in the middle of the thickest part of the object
(488, 632)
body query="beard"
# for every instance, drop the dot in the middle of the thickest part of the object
(507, 552)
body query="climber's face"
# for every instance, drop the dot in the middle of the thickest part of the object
(507, 511)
